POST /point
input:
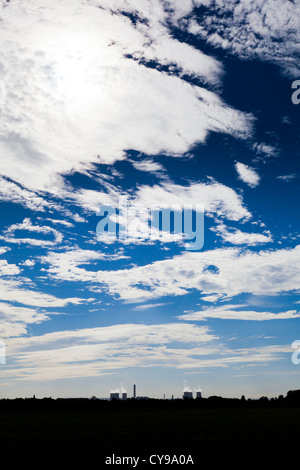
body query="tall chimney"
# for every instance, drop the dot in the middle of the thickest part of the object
(134, 391)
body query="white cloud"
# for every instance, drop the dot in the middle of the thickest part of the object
(16, 291)
(149, 166)
(247, 174)
(287, 178)
(98, 351)
(169, 51)
(211, 298)
(64, 265)
(26, 225)
(265, 150)
(267, 30)
(215, 197)
(227, 272)
(91, 200)
(230, 312)
(7, 269)
(91, 344)
(71, 89)
(212, 198)
(12, 192)
(58, 221)
(141, 308)
(237, 237)
(14, 319)
(152, 17)
(29, 262)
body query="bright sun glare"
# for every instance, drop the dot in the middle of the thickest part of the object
(74, 65)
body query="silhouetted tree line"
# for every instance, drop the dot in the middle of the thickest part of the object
(92, 404)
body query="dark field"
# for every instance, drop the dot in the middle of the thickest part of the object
(95, 429)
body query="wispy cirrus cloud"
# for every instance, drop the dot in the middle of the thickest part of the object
(16, 290)
(141, 308)
(97, 351)
(287, 178)
(237, 312)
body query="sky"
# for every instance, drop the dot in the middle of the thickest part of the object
(149, 191)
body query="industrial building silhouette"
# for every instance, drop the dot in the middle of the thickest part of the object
(123, 396)
(116, 395)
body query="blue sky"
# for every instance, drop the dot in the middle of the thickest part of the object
(166, 105)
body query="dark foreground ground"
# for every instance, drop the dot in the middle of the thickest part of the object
(92, 430)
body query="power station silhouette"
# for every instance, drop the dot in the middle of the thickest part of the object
(117, 395)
